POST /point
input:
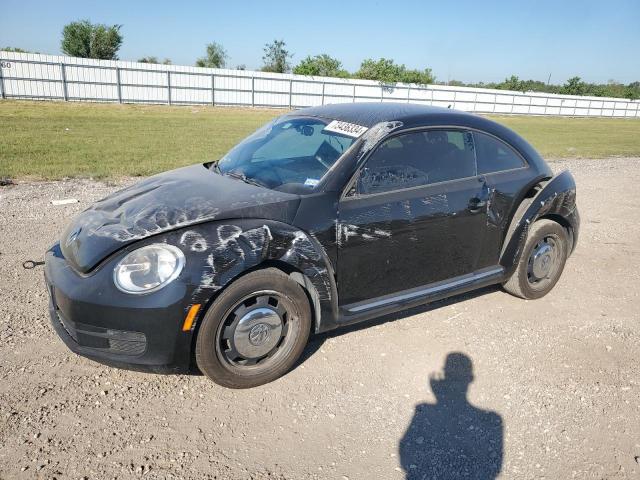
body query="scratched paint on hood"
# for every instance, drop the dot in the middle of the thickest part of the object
(166, 202)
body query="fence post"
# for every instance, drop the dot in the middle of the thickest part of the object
(253, 91)
(354, 94)
(409, 94)
(213, 89)
(63, 74)
(546, 104)
(381, 92)
(290, 92)
(169, 86)
(323, 92)
(2, 94)
(119, 86)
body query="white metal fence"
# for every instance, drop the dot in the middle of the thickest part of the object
(49, 77)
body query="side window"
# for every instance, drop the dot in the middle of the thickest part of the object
(495, 155)
(418, 158)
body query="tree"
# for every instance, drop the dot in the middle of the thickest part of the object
(422, 77)
(386, 70)
(86, 40)
(632, 91)
(574, 86)
(15, 49)
(242, 66)
(152, 59)
(512, 83)
(276, 57)
(321, 65)
(216, 57)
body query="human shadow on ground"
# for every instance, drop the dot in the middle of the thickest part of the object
(451, 438)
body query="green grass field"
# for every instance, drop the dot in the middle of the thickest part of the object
(51, 140)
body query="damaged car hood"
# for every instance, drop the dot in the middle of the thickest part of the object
(166, 202)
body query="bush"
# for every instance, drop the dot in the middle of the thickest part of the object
(387, 71)
(86, 40)
(321, 65)
(216, 57)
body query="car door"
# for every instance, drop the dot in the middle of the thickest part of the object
(507, 175)
(414, 214)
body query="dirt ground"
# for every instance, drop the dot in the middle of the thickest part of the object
(553, 384)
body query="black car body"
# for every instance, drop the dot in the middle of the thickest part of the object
(376, 233)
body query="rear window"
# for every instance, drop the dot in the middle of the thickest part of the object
(494, 155)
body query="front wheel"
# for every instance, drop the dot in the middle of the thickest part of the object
(255, 331)
(542, 261)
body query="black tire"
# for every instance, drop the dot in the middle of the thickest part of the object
(234, 322)
(529, 282)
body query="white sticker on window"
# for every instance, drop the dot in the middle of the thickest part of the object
(345, 128)
(311, 182)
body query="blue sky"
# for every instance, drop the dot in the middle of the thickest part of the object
(464, 40)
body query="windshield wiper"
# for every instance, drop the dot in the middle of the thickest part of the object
(244, 178)
(216, 168)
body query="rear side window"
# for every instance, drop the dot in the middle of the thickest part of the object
(418, 158)
(494, 155)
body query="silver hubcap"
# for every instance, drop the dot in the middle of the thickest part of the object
(543, 260)
(257, 332)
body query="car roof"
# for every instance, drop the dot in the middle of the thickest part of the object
(369, 114)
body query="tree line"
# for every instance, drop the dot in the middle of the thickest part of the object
(573, 86)
(87, 40)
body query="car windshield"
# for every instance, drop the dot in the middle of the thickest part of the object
(289, 154)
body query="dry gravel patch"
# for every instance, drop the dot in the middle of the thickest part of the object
(560, 374)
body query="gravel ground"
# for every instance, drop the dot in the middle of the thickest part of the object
(554, 383)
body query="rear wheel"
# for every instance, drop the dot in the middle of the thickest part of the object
(255, 331)
(542, 261)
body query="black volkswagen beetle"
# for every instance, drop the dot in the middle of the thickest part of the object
(324, 217)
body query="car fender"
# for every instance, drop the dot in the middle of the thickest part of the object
(556, 198)
(219, 252)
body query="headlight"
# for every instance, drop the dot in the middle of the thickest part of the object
(149, 268)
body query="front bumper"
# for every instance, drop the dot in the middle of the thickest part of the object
(96, 320)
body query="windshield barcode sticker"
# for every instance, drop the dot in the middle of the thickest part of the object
(345, 128)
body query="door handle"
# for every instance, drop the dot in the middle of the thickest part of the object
(476, 205)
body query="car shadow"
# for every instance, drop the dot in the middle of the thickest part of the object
(316, 341)
(451, 438)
